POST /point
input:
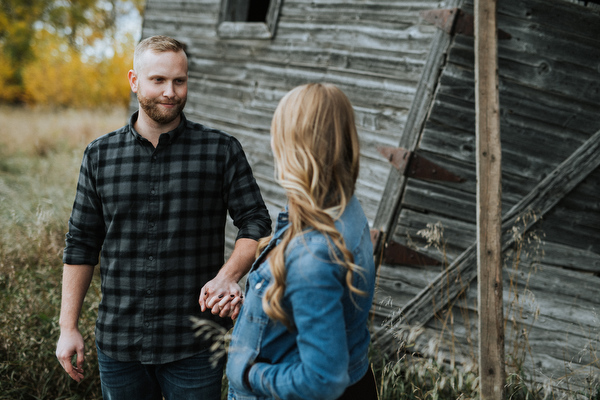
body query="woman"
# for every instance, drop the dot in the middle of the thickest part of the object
(302, 331)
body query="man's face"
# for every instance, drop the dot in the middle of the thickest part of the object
(161, 85)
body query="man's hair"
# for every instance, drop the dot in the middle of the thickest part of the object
(157, 44)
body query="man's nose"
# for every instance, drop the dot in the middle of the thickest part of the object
(169, 90)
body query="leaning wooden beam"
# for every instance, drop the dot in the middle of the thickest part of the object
(387, 212)
(457, 277)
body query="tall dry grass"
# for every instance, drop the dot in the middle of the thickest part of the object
(40, 153)
(428, 367)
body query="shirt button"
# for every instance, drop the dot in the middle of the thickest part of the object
(150, 258)
(149, 291)
(146, 324)
(258, 285)
(153, 191)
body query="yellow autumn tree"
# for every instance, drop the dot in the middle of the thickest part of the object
(61, 76)
(11, 90)
(114, 70)
(44, 46)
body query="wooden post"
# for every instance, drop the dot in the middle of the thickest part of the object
(489, 203)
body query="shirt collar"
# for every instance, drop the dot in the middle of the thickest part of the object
(172, 134)
(282, 223)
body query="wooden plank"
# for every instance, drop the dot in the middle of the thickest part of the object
(567, 230)
(450, 202)
(457, 235)
(458, 203)
(558, 353)
(370, 12)
(542, 71)
(557, 14)
(529, 147)
(564, 256)
(396, 286)
(462, 270)
(404, 65)
(547, 42)
(489, 203)
(526, 105)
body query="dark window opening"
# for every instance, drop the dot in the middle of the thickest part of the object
(257, 10)
(247, 10)
(248, 19)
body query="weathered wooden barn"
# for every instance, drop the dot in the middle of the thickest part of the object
(407, 66)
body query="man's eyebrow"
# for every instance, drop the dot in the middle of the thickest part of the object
(165, 77)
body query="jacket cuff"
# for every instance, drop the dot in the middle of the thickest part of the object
(254, 374)
(245, 378)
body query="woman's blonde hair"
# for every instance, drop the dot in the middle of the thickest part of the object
(316, 150)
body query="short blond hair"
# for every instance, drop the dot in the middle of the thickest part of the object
(159, 44)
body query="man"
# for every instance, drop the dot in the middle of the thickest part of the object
(153, 198)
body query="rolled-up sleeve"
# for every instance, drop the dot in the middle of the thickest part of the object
(86, 225)
(242, 196)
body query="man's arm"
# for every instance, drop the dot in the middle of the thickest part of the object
(75, 284)
(222, 294)
(247, 209)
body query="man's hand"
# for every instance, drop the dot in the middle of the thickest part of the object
(222, 296)
(69, 344)
(76, 281)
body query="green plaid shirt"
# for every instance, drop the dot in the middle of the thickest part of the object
(158, 215)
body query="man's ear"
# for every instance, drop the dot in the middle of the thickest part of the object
(133, 80)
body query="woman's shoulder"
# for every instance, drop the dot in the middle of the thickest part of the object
(310, 242)
(310, 258)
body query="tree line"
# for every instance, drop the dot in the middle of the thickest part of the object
(52, 52)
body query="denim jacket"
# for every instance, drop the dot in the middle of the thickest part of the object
(326, 350)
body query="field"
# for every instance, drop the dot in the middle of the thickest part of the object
(40, 153)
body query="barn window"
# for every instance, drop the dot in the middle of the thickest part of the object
(250, 19)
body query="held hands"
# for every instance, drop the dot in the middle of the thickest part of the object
(69, 344)
(222, 296)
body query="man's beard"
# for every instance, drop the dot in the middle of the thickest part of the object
(156, 113)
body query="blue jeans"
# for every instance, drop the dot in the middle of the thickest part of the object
(187, 379)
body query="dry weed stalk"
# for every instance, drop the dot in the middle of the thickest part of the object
(214, 333)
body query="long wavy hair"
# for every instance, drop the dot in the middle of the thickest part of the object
(316, 151)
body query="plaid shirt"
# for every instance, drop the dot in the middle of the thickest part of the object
(158, 217)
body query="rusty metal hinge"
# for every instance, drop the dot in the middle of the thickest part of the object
(412, 165)
(455, 21)
(399, 254)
